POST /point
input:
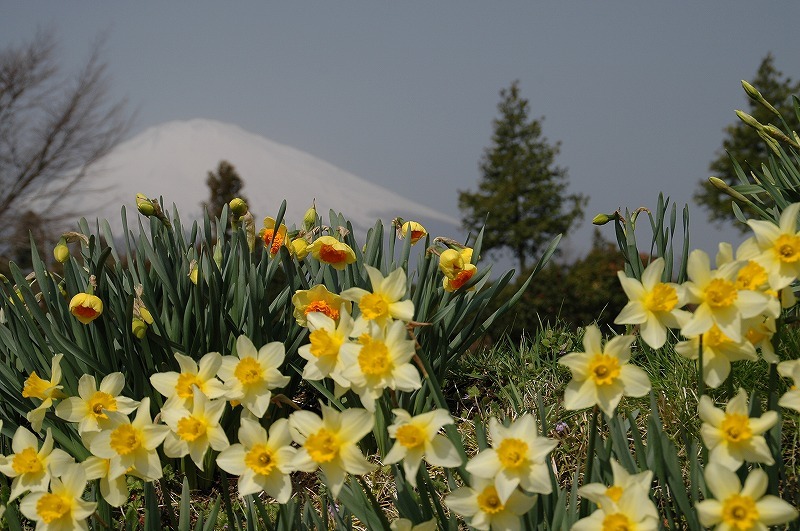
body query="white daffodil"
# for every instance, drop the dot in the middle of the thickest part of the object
(193, 431)
(330, 443)
(602, 376)
(114, 491)
(32, 467)
(130, 446)
(325, 341)
(791, 399)
(625, 485)
(653, 304)
(751, 276)
(178, 387)
(718, 353)
(759, 331)
(741, 507)
(62, 508)
(632, 511)
(516, 458)
(384, 302)
(418, 438)
(778, 247)
(718, 298)
(262, 462)
(89, 408)
(483, 508)
(380, 359)
(252, 374)
(733, 436)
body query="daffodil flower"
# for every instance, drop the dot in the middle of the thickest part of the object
(252, 374)
(733, 436)
(329, 250)
(194, 431)
(325, 341)
(718, 353)
(318, 299)
(86, 307)
(89, 409)
(62, 508)
(516, 458)
(735, 506)
(632, 511)
(416, 229)
(758, 332)
(384, 303)
(44, 390)
(602, 376)
(32, 467)
(483, 508)
(624, 485)
(178, 387)
(330, 443)
(379, 360)
(273, 239)
(718, 298)
(131, 445)
(262, 462)
(114, 491)
(778, 247)
(654, 305)
(404, 524)
(418, 438)
(452, 262)
(752, 275)
(790, 399)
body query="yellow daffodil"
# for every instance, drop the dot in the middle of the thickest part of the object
(758, 332)
(741, 507)
(89, 409)
(178, 387)
(417, 438)
(329, 250)
(62, 508)
(791, 399)
(251, 374)
(384, 302)
(463, 276)
(778, 247)
(631, 512)
(130, 446)
(718, 353)
(61, 251)
(114, 491)
(32, 467)
(602, 376)
(193, 431)
(262, 462)
(751, 276)
(483, 508)
(299, 248)
(44, 390)
(718, 298)
(403, 524)
(330, 443)
(273, 239)
(452, 262)
(317, 299)
(653, 304)
(733, 436)
(517, 458)
(625, 485)
(416, 229)
(322, 351)
(380, 359)
(86, 307)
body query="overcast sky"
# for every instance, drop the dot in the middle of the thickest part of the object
(403, 93)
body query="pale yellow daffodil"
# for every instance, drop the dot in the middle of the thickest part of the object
(624, 484)
(385, 301)
(63, 507)
(718, 353)
(114, 491)
(777, 247)
(31, 466)
(178, 387)
(195, 430)
(325, 341)
(483, 508)
(89, 409)
(632, 511)
(791, 398)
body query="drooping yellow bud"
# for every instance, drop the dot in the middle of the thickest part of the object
(61, 251)
(86, 307)
(601, 219)
(310, 217)
(299, 248)
(138, 328)
(238, 206)
(416, 229)
(144, 205)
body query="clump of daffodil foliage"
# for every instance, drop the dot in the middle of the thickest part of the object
(290, 370)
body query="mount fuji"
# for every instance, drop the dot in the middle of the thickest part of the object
(172, 160)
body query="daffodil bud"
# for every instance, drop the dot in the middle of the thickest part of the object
(416, 230)
(310, 217)
(749, 120)
(719, 184)
(144, 205)
(61, 251)
(238, 206)
(138, 328)
(146, 316)
(756, 95)
(299, 248)
(601, 219)
(86, 307)
(217, 255)
(193, 271)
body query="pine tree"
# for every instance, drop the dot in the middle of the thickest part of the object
(223, 186)
(743, 143)
(521, 197)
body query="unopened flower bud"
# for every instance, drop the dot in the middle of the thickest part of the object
(310, 217)
(749, 120)
(144, 205)
(601, 219)
(138, 328)
(757, 96)
(299, 248)
(416, 230)
(719, 184)
(193, 272)
(61, 251)
(238, 206)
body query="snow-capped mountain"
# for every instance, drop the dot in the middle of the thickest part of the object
(172, 160)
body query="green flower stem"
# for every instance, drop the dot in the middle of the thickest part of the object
(587, 477)
(701, 383)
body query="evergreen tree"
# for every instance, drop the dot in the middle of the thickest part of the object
(223, 186)
(521, 197)
(743, 142)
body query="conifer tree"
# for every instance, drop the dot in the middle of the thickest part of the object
(521, 197)
(743, 142)
(223, 186)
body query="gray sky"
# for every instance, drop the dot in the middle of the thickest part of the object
(403, 93)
